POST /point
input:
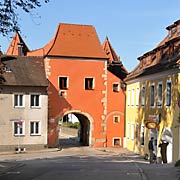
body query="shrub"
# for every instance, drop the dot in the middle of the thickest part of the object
(177, 164)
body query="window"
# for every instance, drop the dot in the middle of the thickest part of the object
(18, 100)
(128, 130)
(18, 128)
(129, 97)
(178, 27)
(116, 87)
(132, 100)
(35, 128)
(152, 95)
(137, 96)
(143, 95)
(168, 93)
(63, 82)
(116, 141)
(35, 100)
(132, 131)
(116, 119)
(159, 91)
(89, 83)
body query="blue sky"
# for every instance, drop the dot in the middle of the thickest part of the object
(133, 27)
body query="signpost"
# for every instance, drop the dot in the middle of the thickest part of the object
(19, 127)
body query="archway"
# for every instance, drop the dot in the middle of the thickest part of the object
(81, 135)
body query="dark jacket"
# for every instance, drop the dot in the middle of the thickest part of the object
(150, 145)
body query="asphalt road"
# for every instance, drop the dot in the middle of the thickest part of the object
(85, 163)
(82, 163)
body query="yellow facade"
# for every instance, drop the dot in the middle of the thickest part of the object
(139, 110)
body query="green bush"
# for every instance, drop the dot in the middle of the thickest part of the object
(72, 125)
(177, 164)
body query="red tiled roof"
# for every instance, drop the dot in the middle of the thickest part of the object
(108, 49)
(75, 41)
(13, 47)
(166, 52)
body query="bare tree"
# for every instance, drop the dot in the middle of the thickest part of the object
(8, 13)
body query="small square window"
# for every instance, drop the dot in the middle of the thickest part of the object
(63, 82)
(89, 83)
(116, 141)
(116, 119)
(116, 87)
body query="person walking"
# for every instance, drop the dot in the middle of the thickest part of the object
(163, 145)
(151, 150)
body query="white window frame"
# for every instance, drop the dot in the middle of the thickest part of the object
(20, 126)
(116, 86)
(132, 131)
(120, 142)
(118, 119)
(168, 97)
(34, 106)
(152, 95)
(159, 94)
(128, 130)
(137, 96)
(18, 103)
(34, 128)
(132, 97)
(178, 28)
(129, 97)
(143, 96)
(93, 83)
(67, 82)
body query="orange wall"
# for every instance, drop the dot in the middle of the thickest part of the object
(116, 102)
(88, 101)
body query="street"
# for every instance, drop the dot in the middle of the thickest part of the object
(87, 163)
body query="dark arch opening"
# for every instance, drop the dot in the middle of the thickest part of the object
(72, 137)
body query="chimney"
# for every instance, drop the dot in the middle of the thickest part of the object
(20, 49)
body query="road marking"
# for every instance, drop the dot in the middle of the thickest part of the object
(13, 172)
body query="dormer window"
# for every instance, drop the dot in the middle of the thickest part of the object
(7, 69)
(172, 31)
(178, 28)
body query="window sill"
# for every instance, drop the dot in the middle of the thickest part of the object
(35, 134)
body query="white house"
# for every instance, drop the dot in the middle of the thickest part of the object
(23, 103)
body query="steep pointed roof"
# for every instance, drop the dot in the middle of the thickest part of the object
(110, 52)
(74, 40)
(115, 65)
(13, 47)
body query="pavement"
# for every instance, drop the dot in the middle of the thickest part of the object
(9, 161)
(12, 160)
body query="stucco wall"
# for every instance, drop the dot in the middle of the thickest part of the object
(9, 114)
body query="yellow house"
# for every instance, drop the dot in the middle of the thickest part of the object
(153, 98)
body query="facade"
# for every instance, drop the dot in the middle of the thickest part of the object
(85, 80)
(23, 102)
(152, 103)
